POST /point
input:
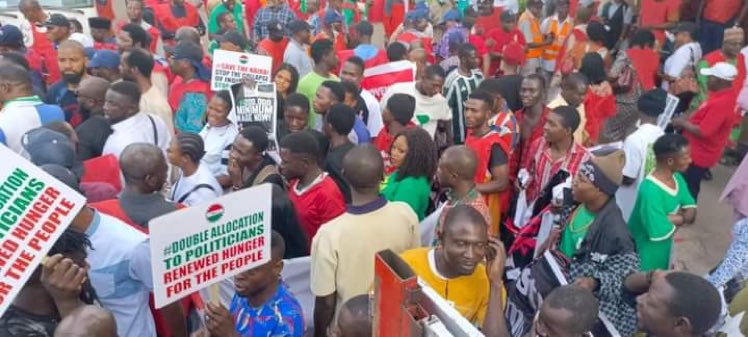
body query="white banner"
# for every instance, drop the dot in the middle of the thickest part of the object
(231, 67)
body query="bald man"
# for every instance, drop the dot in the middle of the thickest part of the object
(39, 44)
(187, 34)
(22, 110)
(72, 61)
(87, 321)
(144, 168)
(355, 318)
(95, 129)
(342, 269)
(455, 173)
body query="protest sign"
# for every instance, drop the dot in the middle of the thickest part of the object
(35, 209)
(256, 105)
(378, 79)
(230, 67)
(670, 104)
(197, 247)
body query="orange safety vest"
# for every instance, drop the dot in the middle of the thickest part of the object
(537, 35)
(550, 53)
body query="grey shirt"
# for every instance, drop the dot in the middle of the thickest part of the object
(297, 56)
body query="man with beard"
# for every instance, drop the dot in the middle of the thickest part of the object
(22, 110)
(262, 305)
(94, 131)
(136, 66)
(72, 61)
(133, 36)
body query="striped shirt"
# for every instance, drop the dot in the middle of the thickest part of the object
(457, 88)
(542, 167)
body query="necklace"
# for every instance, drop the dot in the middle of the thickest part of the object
(583, 227)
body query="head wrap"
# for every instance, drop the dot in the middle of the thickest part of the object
(605, 171)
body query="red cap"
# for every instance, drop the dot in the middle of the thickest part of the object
(514, 54)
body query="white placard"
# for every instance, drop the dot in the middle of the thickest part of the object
(196, 247)
(231, 67)
(35, 209)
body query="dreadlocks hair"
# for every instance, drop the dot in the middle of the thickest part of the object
(192, 145)
(420, 161)
(72, 241)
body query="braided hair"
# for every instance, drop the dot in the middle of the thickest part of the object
(420, 161)
(191, 145)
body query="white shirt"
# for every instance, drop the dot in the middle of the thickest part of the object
(154, 102)
(297, 56)
(743, 97)
(429, 110)
(185, 190)
(374, 123)
(686, 55)
(510, 5)
(139, 128)
(216, 140)
(122, 289)
(21, 115)
(639, 162)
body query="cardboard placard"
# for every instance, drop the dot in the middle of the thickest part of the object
(199, 246)
(256, 106)
(378, 79)
(231, 67)
(35, 209)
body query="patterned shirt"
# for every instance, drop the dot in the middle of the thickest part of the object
(16, 322)
(542, 167)
(735, 263)
(472, 199)
(457, 88)
(281, 316)
(281, 14)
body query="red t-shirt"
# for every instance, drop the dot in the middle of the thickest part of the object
(646, 62)
(721, 11)
(179, 88)
(44, 48)
(500, 38)
(657, 12)
(375, 13)
(715, 119)
(489, 22)
(319, 203)
(274, 50)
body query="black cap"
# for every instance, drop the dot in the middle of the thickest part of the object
(298, 26)
(686, 27)
(57, 20)
(99, 23)
(652, 103)
(186, 50)
(364, 28)
(275, 26)
(234, 37)
(11, 36)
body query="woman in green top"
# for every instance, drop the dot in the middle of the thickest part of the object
(413, 155)
(663, 203)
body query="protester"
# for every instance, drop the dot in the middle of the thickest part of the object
(680, 68)
(455, 172)
(643, 57)
(135, 10)
(137, 38)
(262, 305)
(413, 157)
(105, 64)
(101, 31)
(355, 318)
(670, 297)
(295, 115)
(94, 131)
(325, 60)
(22, 110)
(734, 40)
(640, 158)
(454, 269)
(510, 81)
(500, 37)
(430, 105)
(601, 104)
(173, 14)
(144, 170)
(274, 10)
(274, 45)
(11, 41)
(296, 53)
(58, 29)
(190, 91)
(559, 27)
(708, 128)
(333, 30)
(87, 320)
(338, 124)
(72, 62)
(573, 91)
(367, 107)
(235, 9)
(716, 18)
(137, 66)
(286, 81)
(492, 153)
(531, 117)
(129, 124)
(459, 84)
(218, 135)
(361, 39)
(38, 42)
(313, 192)
(568, 310)
(664, 203)
(343, 250)
(529, 24)
(248, 162)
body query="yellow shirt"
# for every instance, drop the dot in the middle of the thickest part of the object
(468, 294)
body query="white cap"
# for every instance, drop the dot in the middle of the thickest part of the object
(721, 70)
(86, 41)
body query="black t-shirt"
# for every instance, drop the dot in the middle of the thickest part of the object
(498, 157)
(334, 166)
(509, 86)
(16, 322)
(92, 134)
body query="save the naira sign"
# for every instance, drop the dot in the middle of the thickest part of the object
(194, 248)
(231, 67)
(35, 209)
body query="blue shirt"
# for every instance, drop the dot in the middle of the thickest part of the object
(281, 316)
(58, 94)
(362, 133)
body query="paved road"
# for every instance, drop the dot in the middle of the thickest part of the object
(701, 246)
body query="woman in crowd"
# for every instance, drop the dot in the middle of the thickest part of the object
(196, 184)
(623, 76)
(286, 80)
(413, 155)
(599, 103)
(595, 43)
(643, 57)
(218, 135)
(679, 76)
